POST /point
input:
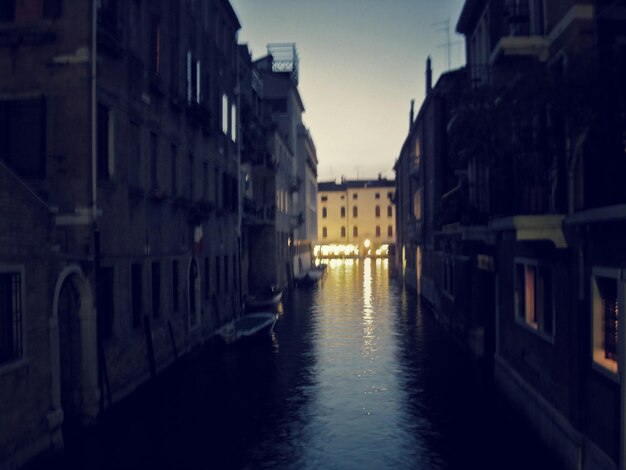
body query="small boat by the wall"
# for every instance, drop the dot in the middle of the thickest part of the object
(249, 326)
(309, 278)
(268, 300)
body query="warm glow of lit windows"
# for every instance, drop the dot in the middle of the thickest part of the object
(417, 205)
(534, 296)
(605, 288)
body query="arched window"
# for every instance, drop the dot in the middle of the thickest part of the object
(355, 211)
(355, 231)
(390, 231)
(324, 232)
(377, 211)
(343, 232)
(324, 212)
(378, 230)
(389, 211)
(343, 211)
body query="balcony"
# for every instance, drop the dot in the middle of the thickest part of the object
(521, 34)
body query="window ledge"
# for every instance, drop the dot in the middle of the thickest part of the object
(534, 330)
(605, 371)
(521, 46)
(533, 227)
(13, 366)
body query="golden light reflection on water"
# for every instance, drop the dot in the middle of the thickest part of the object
(369, 328)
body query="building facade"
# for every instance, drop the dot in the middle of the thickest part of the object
(119, 138)
(529, 213)
(358, 214)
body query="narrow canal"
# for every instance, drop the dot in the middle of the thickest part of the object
(357, 376)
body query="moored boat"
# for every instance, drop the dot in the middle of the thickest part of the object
(251, 325)
(271, 299)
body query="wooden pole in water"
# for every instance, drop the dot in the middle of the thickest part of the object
(149, 345)
(169, 324)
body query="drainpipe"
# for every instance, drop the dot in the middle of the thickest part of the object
(239, 189)
(94, 111)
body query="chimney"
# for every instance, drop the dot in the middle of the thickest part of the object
(429, 76)
(412, 116)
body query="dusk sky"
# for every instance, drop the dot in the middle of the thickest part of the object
(361, 62)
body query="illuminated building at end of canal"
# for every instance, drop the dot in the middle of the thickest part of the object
(355, 218)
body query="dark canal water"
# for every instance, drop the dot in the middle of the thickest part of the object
(357, 376)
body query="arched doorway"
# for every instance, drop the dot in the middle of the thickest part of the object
(69, 348)
(73, 347)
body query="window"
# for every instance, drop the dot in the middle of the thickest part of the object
(355, 211)
(324, 213)
(156, 289)
(136, 294)
(377, 196)
(606, 310)
(19, 11)
(324, 232)
(105, 142)
(355, 231)
(155, 46)
(226, 286)
(390, 231)
(225, 114)
(324, 198)
(207, 277)
(175, 286)
(174, 42)
(134, 160)
(23, 136)
(193, 79)
(218, 274)
(173, 165)
(377, 211)
(390, 195)
(343, 211)
(533, 295)
(190, 189)
(205, 180)
(378, 231)
(154, 156)
(233, 122)
(355, 196)
(10, 316)
(106, 302)
(343, 232)
(389, 211)
(448, 276)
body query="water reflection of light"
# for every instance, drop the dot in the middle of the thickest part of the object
(369, 333)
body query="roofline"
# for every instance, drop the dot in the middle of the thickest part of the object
(232, 13)
(469, 9)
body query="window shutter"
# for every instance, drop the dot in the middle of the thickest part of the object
(198, 80)
(189, 77)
